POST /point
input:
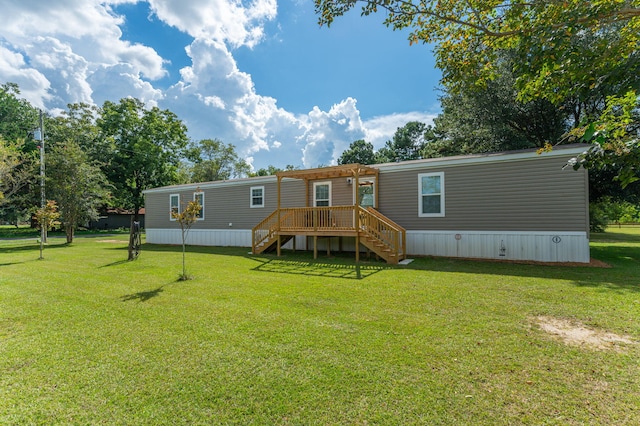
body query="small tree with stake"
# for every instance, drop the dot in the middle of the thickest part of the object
(47, 218)
(186, 218)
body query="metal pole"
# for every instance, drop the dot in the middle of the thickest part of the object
(43, 201)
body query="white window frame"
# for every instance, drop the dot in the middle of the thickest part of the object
(251, 197)
(171, 197)
(315, 200)
(195, 195)
(420, 195)
(364, 180)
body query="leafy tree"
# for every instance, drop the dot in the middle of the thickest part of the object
(489, 119)
(215, 160)
(562, 50)
(18, 118)
(47, 217)
(16, 170)
(78, 186)
(78, 124)
(186, 218)
(360, 152)
(407, 143)
(271, 170)
(145, 146)
(616, 138)
(468, 36)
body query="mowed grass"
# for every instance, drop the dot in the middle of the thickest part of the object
(88, 338)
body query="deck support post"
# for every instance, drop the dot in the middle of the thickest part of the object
(278, 248)
(356, 213)
(315, 246)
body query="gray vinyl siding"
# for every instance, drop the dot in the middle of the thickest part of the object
(524, 195)
(341, 192)
(225, 204)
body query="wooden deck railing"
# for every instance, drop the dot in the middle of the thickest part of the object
(383, 236)
(264, 232)
(391, 235)
(317, 219)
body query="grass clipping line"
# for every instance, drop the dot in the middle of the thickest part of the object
(577, 334)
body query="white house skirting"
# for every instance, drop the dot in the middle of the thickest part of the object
(513, 245)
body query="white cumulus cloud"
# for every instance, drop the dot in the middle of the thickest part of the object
(227, 21)
(73, 51)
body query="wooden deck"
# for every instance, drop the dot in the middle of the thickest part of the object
(369, 227)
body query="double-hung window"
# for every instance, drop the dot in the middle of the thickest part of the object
(199, 197)
(257, 197)
(174, 205)
(431, 194)
(322, 194)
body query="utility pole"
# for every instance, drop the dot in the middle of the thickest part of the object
(43, 201)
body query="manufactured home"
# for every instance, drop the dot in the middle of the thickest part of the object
(517, 205)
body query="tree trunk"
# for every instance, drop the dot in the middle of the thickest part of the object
(69, 232)
(131, 240)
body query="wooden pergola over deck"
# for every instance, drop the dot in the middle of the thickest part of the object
(368, 226)
(354, 171)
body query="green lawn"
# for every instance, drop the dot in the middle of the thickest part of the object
(88, 338)
(25, 231)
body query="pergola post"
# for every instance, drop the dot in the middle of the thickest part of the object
(356, 211)
(278, 248)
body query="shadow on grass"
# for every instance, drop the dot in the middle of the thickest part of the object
(116, 263)
(356, 271)
(34, 246)
(624, 275)
(339, 265)
(143, 296)
(11, 263)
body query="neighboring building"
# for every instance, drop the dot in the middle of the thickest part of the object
(116, 218)
(516, 205)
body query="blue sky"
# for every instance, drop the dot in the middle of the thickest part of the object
(261, 75)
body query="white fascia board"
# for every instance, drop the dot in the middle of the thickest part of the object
(479, 159)
(216, 184)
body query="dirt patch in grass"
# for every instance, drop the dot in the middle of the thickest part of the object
(577, 334)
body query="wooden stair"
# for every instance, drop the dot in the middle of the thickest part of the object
(272, 244)
(382, 236)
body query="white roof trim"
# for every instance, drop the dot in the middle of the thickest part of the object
(216, 184)
(428, 163)
(479, 159)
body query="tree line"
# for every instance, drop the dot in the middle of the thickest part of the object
(523, 75)
(515, 75)
(101, 156)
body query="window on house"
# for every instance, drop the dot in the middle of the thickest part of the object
(431, 194)
(199, 197)
(367, 193)
(174, 205)
(257, 196)
(322, 194)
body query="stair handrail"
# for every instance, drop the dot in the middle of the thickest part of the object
(264, 225)
(397, 242)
